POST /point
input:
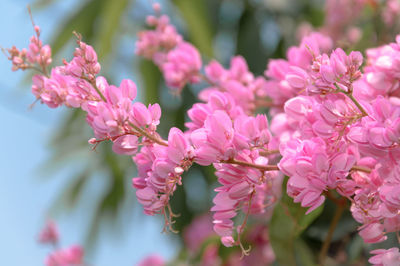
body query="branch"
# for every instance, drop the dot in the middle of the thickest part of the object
(361, 169)
(257, 166)
(268, 152)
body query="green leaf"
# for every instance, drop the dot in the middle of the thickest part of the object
(111, 15)
(151, 78)
(197, 20)
(304, 254)
(287, 223)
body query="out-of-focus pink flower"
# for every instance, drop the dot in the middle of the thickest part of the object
(72, 256)
(181, 66)
(152, 260)
(198, 231)
(373, 233)
(49, 233)
(385, 257)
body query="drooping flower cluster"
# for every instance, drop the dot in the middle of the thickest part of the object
(160, 168)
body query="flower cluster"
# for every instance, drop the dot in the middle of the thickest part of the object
(335, 129)
(333, 139)
(238, 82)
(381, 73)
(299, 58)
(179, 61)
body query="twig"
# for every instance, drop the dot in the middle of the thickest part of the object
(268, 152)
(257, 166)
(149, 136)
(361, 168)
(325, 246)
(354, 100)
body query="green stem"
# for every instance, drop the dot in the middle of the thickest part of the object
(149, 136)
(364, 113)
(354, 100)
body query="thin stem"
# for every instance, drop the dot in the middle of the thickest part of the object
(93, 83)
(364, 113)
(245, 252)
(268, 152)
(257, 166)
(149, 136)
(325, 246)
(41, 71)
(354, 100)
(361, 168)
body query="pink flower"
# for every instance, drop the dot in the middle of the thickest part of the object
(152, 260)
(383, 257)
(390, 195)
(312, 170)
(373, 233)
(153, 42)
(239, 185)
(66, 257)
(237, 81)
(84, 63)
(181, 66)
(198, 231)
(215, 141)
(125, 145)
(288, 77)
(160, 169)
(381, 129)
(49, 233)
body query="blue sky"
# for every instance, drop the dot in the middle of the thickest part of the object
(24, 194)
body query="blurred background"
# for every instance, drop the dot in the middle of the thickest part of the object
(48, 170)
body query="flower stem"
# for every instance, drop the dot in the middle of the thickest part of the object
(93, 83)
(325, 246)
(149, 136)
(268, 152)
(361, 168)
(257, 166)
(354, 100)
(350, 95)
